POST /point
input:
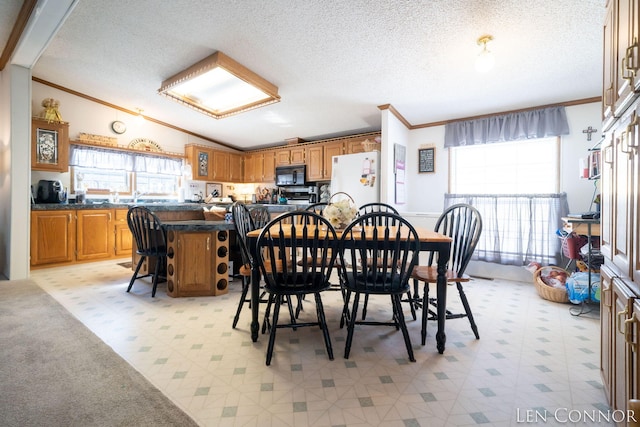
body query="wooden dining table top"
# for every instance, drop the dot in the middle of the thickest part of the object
(424, 235)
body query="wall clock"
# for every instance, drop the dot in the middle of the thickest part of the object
(118, 127)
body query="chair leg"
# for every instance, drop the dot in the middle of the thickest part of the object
(243, 297)
(274, 327)
(323, 325)
(155, 276)
(395, 300)
(425, 312)
(467, 310)
(352, 324)
(135, 273)
(364, 306)
(346, 297)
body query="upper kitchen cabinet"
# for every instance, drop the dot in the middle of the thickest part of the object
(319, 159)
(213, 165)
(49, 145)
(220, 169)
(282, 157)
(253, 167)
(235, 167)
(200, 159)
(269, 166)
(621, 58)
(297, 155)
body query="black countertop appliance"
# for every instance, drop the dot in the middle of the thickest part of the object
(50, 192)
(291, 175)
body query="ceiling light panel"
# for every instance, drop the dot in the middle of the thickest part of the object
(219, 87)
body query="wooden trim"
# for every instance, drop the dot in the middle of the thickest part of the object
(134, 113)
(18, 28)
(483, 116)
(395, 112)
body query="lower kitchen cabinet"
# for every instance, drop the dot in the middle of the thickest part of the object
(53, 237)
(95, 234)
(123, 236)
(65, 236)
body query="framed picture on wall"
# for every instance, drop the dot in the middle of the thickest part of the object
(49, 145)
(427, 160)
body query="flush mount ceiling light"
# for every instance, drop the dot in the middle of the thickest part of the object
(219, 87)
(485, 59)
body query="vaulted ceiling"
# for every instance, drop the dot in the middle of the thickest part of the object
(334, 61)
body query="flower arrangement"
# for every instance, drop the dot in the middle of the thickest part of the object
(340, 213)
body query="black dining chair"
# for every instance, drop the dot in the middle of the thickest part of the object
(317, 207)
(294, 236)
(463, 223)
(246, 220)
(151, 243)
(376, 207)
(372, 208)
(380, 261)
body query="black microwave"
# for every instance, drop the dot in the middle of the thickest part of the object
(291, 175)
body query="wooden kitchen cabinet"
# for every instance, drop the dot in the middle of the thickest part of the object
(606, 332)
(319, 160)
(49, 145)
(53, 237)
(620, 205)
(200, 159)
(315, 162)
(269, 166)
(297, 155)
(331, 149)
(220, 168)
(235, 167)
(283, 157)
(621, 59)
(253, 167)
(95, 234)
(197, 263)
(123, 236)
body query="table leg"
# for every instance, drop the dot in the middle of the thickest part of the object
(443, 259)
(255, 293)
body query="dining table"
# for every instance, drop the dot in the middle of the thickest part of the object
(429, 241)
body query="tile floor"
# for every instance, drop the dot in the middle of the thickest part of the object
(533, 360)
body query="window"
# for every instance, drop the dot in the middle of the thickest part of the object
(519, 167)
(515, 187)
(103, 171)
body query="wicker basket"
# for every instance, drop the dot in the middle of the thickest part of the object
(369, 145)
(549, 292)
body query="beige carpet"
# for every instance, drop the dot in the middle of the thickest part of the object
(56, 372)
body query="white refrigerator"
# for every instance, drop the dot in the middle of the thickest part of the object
(358, 175)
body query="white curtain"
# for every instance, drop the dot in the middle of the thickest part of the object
(103, 158)
(517, 229)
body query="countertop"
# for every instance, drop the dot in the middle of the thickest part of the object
(158, 207)
(198, 225)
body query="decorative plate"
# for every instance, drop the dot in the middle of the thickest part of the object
(144, 144)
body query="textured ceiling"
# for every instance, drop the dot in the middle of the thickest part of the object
(334, 61)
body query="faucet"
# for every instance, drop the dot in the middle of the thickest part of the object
(137, 194)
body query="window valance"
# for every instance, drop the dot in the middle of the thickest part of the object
(540, 123)
(103, 158)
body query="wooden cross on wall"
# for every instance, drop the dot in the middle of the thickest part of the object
(589, 131)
